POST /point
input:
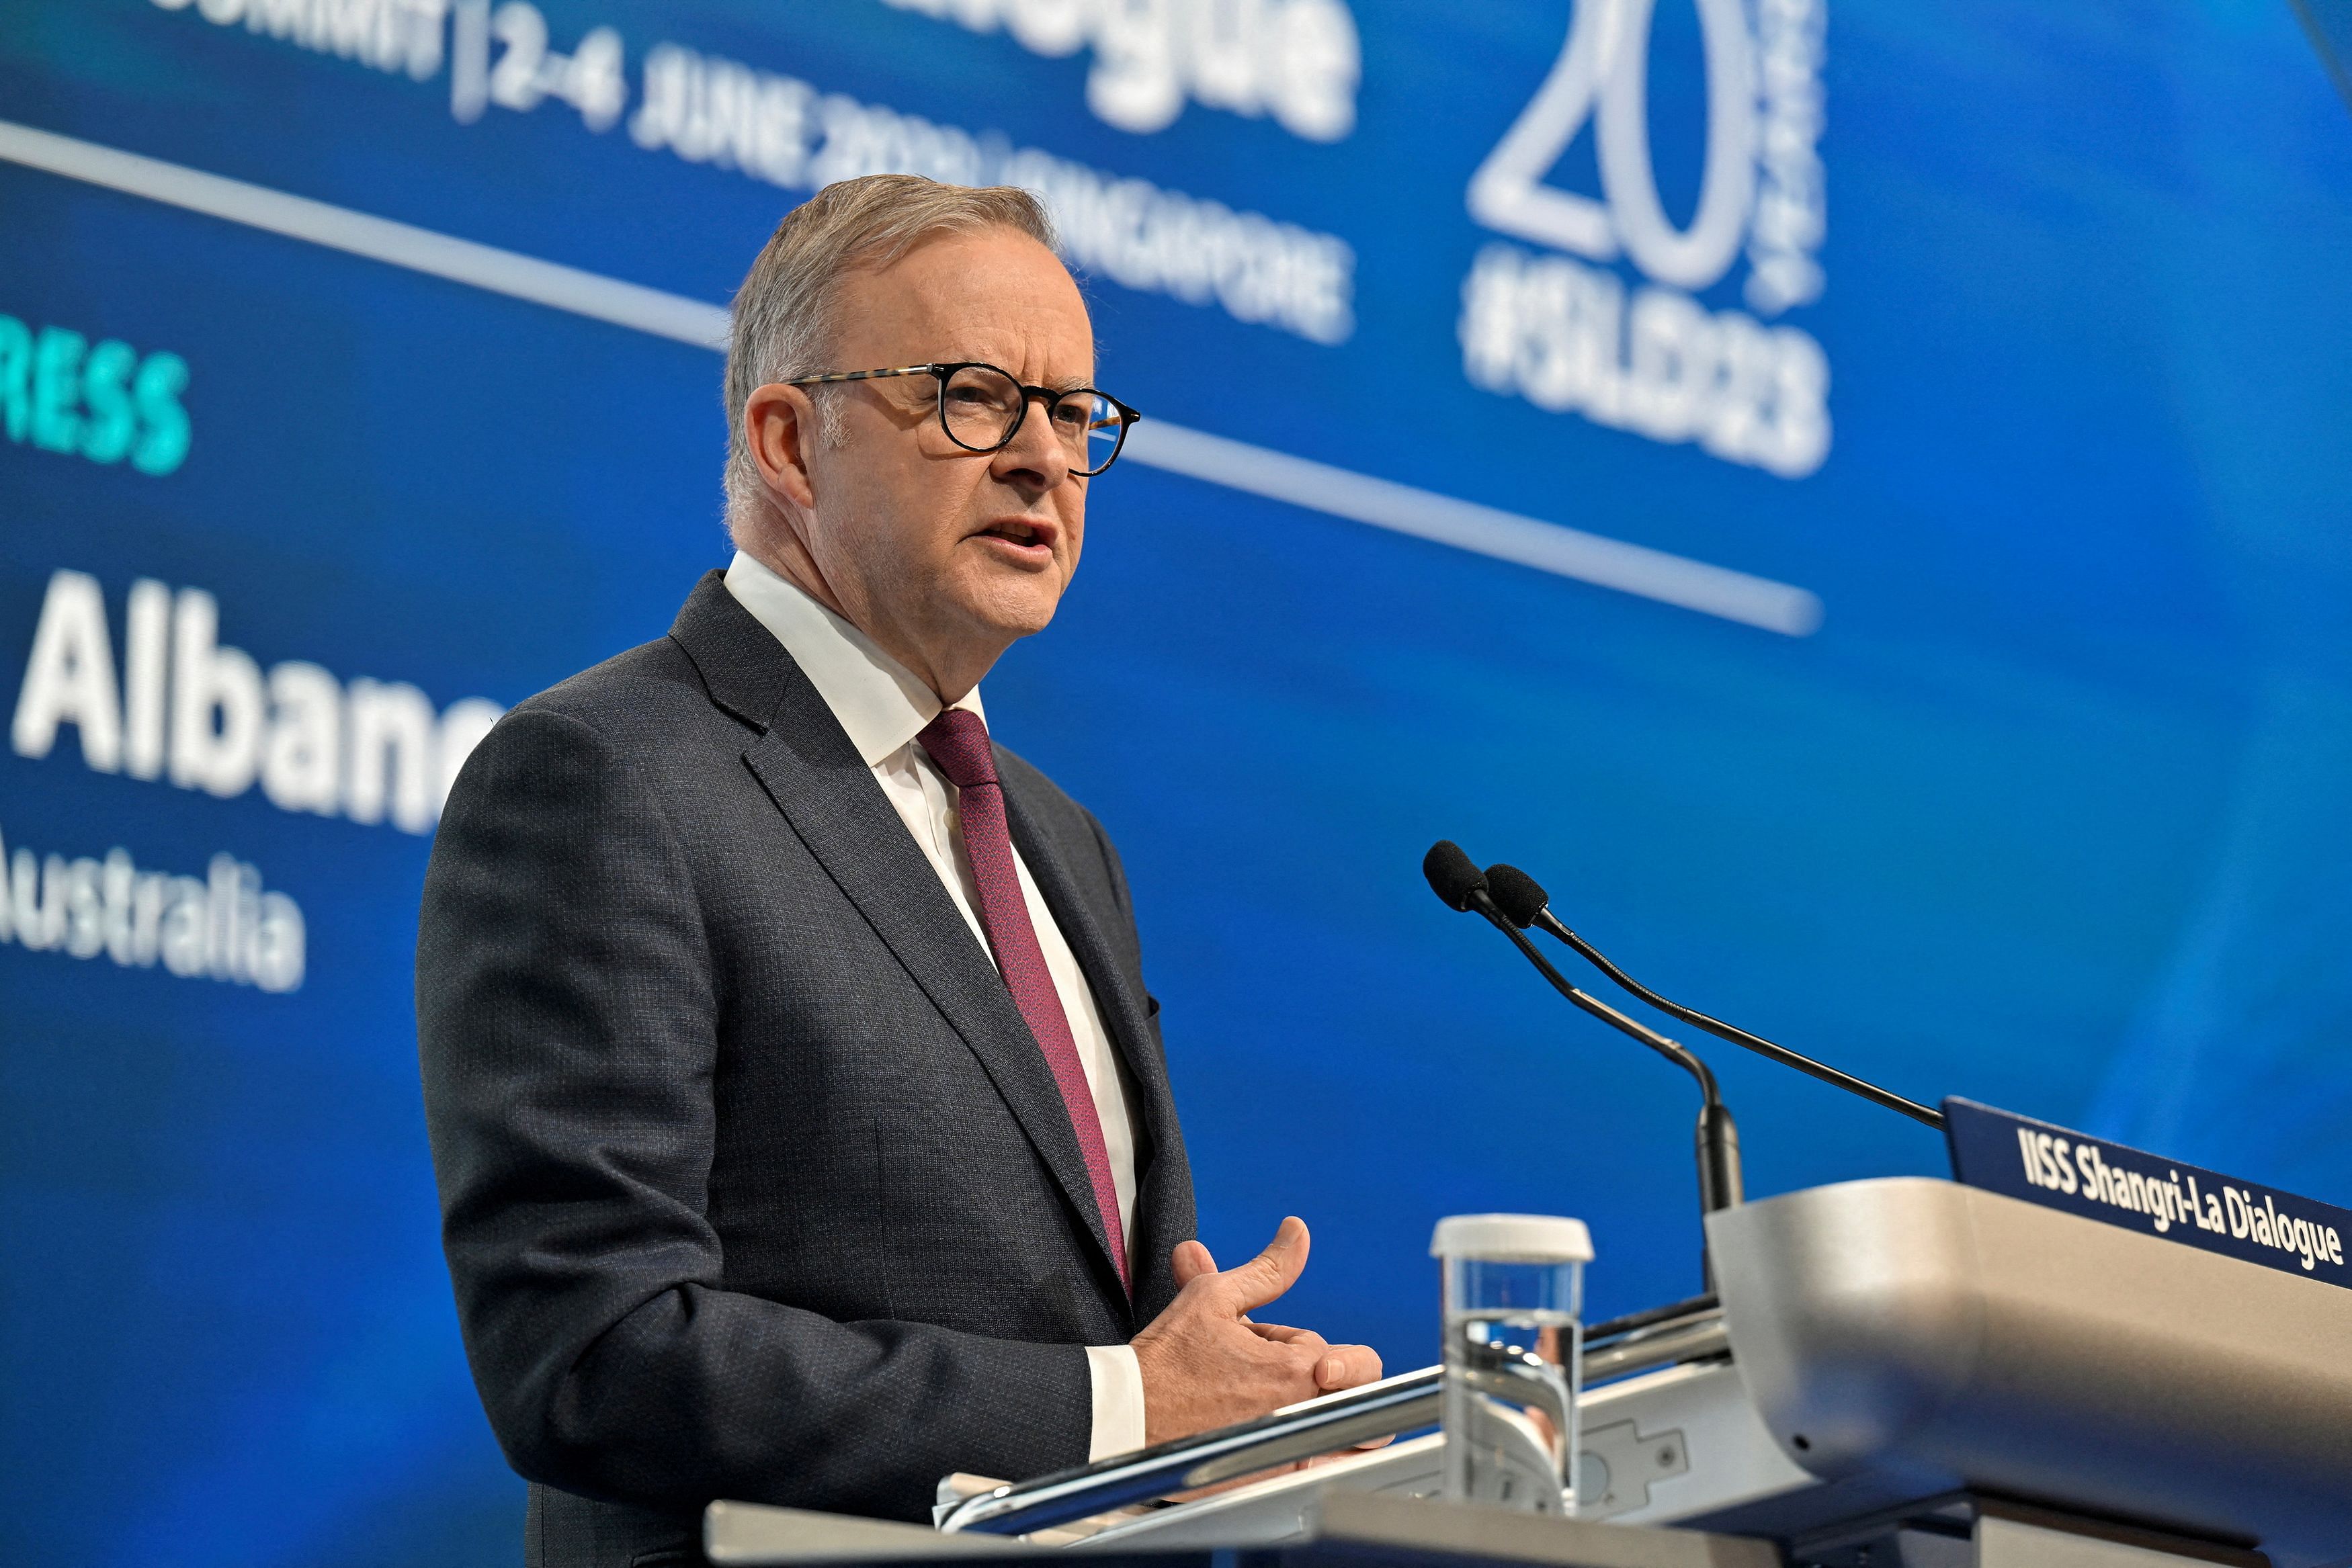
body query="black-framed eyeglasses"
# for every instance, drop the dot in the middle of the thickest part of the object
(981, 408)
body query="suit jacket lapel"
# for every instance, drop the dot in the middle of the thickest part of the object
(809, 769)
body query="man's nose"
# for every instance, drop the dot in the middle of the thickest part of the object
(1035, 450)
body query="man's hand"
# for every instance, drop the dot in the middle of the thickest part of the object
(1206, 1365)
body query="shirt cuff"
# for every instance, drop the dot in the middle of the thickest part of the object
(1118, 1379)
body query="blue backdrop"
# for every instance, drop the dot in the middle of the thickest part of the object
(1975, 711)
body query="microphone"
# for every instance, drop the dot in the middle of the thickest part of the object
(1520, 900)
(1456, 880)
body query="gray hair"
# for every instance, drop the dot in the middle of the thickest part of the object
(785, 313)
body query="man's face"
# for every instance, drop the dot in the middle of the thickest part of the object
(932, 548)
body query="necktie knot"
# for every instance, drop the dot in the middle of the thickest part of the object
(958, 741)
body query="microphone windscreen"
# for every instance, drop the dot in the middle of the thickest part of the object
(1519, 897)
(1453, 875)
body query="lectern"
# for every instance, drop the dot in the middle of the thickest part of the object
(1902, 1373)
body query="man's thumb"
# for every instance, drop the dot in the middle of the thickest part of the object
(1189, 1262)
(1274, 1271)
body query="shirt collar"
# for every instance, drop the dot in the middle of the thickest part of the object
(879, 701)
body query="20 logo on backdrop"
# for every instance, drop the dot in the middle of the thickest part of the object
(1603, 321)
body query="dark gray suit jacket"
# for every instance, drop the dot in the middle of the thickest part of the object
(754, 1183)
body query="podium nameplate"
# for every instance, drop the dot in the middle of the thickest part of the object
(2063, 1169)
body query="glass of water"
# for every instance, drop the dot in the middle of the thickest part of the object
(1514, 1291)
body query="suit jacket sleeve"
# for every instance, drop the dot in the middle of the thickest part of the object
(568, 1018)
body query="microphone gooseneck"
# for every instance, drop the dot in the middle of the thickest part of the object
(1521, 901)
(1458, 882)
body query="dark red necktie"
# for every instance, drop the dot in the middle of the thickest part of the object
(958, 741)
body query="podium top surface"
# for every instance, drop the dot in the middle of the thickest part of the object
(1908, 1325)
(1349, 1528)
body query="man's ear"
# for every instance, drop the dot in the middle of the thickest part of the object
(780, 427)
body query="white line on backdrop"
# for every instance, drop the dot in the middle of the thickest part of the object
(1444, 519)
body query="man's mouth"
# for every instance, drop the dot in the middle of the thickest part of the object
(1026, 532)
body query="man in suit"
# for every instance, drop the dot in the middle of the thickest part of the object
(800, 1114)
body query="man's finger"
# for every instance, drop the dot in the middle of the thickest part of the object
(1347, 1366)
(1191, 1261)
(1282, 1333)
(1271, 1272)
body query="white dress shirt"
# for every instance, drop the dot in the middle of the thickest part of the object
(884, 707)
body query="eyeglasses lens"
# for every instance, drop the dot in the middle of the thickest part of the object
(1090, 428)
(982, 406)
